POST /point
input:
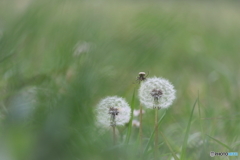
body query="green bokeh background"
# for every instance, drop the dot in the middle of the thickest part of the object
(58, 59)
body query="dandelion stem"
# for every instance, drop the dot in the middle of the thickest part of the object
(140, 128)
(156, 135)
(114, 135)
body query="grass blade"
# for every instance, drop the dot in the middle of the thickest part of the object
(219, 142)
(184, 147)
(200, 116)
(205, 142)
(130, 122)
(169, 146)
(151, 137)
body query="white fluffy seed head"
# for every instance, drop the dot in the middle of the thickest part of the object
(147, 93)
(102, 111)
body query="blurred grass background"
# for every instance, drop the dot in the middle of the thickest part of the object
(59, 58)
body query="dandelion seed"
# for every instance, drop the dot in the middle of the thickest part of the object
(112, 111)
(135, 123)
(137, 112)
(156, 92)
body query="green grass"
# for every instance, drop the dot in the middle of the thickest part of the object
(131, 118)
(185, 140)
(48, 93)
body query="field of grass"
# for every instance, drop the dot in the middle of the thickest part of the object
(58, 59)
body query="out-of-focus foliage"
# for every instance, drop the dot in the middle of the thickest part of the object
(59, 58)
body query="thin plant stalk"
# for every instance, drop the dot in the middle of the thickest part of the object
(142, 77)
(114, 134)
(152, 134)
(156, 135)
(140, 129)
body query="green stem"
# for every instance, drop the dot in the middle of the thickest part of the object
(140, 128)
(114, 135)
(156, 135)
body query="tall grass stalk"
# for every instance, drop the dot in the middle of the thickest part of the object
(131, 118)
(184, 147)
(151, 137)
(169, 146)
(221, 143)
(141, 78)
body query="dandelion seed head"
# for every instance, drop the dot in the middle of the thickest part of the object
(156, 92)
(141, 77)
(135, 123)
(137, 112)
(110, 106)
(141, 73)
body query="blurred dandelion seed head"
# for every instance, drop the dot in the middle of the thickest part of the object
(137, 112)
(156, 92)
(135, 123)
(112, 105)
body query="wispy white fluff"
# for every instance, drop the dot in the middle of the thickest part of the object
(137, 112)
(135, 123)
(102, 111)
(146, 93)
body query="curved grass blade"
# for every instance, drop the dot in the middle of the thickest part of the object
(200, 116)
(130, 122)
(151, 137)
(169, 146)
(183, 154)
(219, 142)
